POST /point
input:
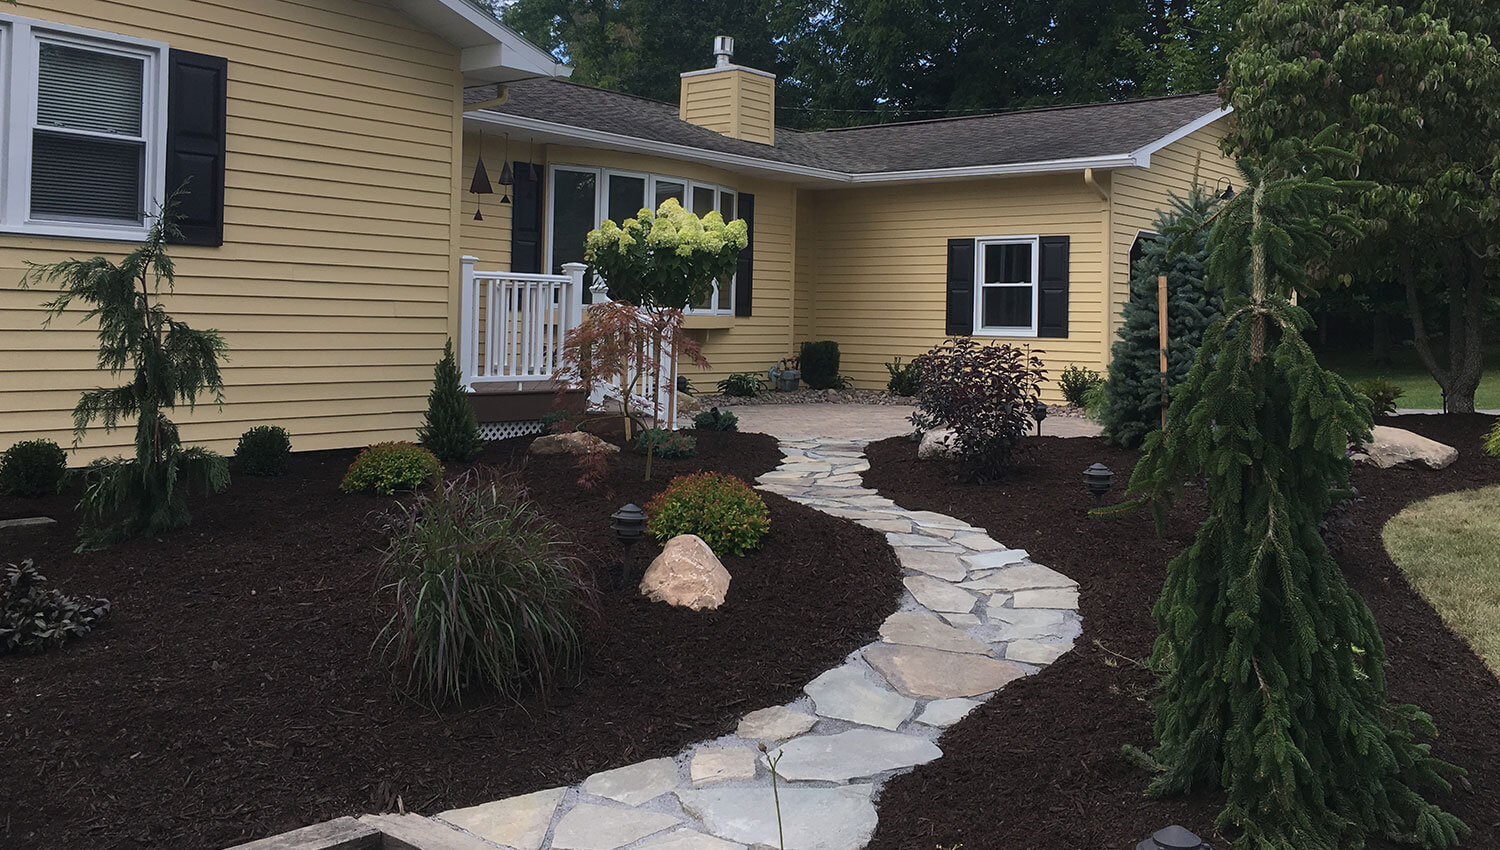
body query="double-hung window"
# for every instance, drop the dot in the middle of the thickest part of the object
(581, 198)
(84, 124)
(1005, 299)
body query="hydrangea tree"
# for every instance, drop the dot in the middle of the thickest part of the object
(660, 262)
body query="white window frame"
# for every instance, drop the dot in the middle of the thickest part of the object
(1019, 332)
(20, 53)
(719, 304)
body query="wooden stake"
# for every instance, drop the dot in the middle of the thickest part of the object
(1161, 332)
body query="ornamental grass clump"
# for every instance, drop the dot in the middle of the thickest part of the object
(487, 601)
(723, 510)
(32, 469)
(34, 618)
(985, 393)
(387, 468)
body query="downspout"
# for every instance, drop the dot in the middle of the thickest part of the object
(1106, 250)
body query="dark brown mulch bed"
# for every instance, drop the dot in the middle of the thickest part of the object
(233, 694)
(1039, 766)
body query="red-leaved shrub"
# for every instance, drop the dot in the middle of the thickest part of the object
(985, 393)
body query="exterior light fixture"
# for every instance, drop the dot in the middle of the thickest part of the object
(1099, 479)
(1228, 193)
(1039, 412)
(629, 526)
(1173, 838)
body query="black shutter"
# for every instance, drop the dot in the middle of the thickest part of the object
(526, 220)
(960, 287)
(196, 108)
(1052, 288)
(744, 273)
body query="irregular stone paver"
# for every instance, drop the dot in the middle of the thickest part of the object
(1035, 652)
(634, 784)
(942, 648)
(589, 826)
(932, 674)
(776, 723)
(519, 822)
(687, 839)
(721, 764)
(814, 818)
(845, 693)
(938, 595)
(914, 628)
(946, 712)
(1050, 598)
(855, 754)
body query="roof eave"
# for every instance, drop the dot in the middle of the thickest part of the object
(1143, 153)
(491, 51)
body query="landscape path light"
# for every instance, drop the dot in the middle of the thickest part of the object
(1098, 479)
(629, 526)
(1173, 838)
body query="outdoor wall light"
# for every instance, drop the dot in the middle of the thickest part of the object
(1173, 838)
(1039, 412)
(629, 526)
(1099, 479)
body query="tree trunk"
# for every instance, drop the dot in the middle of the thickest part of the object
(1380, 339)
(1466, 296)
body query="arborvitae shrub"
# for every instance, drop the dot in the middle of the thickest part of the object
(33, 468)
(387, 468)
(263, 450)
(1133, 393)
(723, 510)
(450, 429)
(819, 364)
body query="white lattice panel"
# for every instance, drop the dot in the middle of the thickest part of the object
(506, 430)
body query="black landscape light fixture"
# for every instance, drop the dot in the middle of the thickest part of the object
(1098, 479)
(1173, 838)
(1039, 412)
(629, 526)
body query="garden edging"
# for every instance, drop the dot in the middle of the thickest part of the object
(975, 616)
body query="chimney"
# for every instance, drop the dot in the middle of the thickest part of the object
(730, 99)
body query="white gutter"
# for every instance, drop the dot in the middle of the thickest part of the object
(1139, 158)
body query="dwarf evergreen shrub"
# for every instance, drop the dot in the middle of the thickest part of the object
(263, 450)
(33, 468)
(723, 510)
(819, 363)
(449, 429)
(1075, 383)
(387, 468)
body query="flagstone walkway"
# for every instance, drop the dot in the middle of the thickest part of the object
(976, 616)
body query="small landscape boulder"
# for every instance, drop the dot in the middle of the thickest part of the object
(571, 443)
(1390, 447)
(686, 574)
(937, 443)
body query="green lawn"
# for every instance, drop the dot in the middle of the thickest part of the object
(1449, 546)
(1406, 370)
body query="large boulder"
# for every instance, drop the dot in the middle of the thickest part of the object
(1390, 447)
(937, 443)
(571, 443)
(686, 574)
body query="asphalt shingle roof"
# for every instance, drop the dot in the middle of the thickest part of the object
(1034, 135)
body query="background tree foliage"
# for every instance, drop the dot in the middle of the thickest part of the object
(843, 62)
(1414, 93)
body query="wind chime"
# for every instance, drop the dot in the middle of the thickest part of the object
(480, 185)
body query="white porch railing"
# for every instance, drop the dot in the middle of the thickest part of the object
(512, 326)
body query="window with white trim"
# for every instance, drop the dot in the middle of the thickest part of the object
(581, 198)
(1005, 297)
(82, 130)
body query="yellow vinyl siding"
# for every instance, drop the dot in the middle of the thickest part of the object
(879, 285)
(489, 240)
(1138, 194)
(335, 286)
(732, 101)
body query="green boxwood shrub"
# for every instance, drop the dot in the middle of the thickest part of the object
(672, 445)
(1382, 392)
(33, 468)
(263, 450)
(34, 618)
(387, 468)
(723, 510)
(819, 362)
(486, 600)
(714, 419)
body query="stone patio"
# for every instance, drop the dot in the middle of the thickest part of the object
(862, 423)
(976, 616)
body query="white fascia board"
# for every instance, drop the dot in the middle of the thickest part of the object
(967, 172)
(492, 51)
(1142, 154)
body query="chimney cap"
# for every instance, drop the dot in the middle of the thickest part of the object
(723, 50)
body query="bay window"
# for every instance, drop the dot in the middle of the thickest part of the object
(581, 198)
(83, 116)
